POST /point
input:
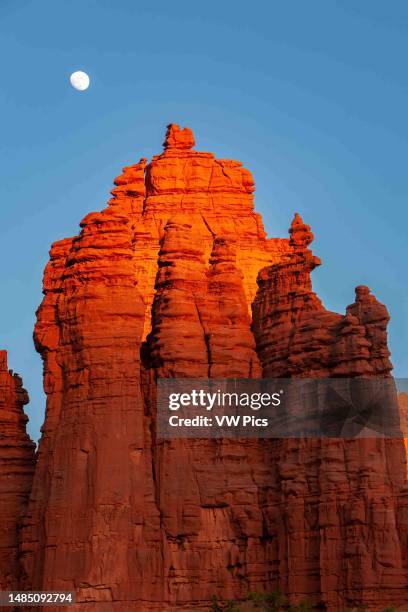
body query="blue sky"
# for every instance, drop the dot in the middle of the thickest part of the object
(311, 96)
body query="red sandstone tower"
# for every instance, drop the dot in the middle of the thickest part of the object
(177, 278)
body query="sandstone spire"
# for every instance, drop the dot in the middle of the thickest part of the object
(286, 303)
(93, 483)
(201, 328)
(17, 462)
(225, 316)
(334, 492)
(177, 341)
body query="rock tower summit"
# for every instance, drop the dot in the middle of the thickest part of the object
(177, 138)
(217, 195)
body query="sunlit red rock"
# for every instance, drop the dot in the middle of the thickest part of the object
(160, 284)
(201, 325)
(210, 491)
(177, 341)
(338, 506)
(403, 405)
(92, 504)
(215, 194)
(297, 336)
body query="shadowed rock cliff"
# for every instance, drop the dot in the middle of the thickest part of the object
(17, 462)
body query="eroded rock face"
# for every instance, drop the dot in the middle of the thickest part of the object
(297, 336)
(211, 493)
(92, 504)
(339, 506)
(160, 284)
(200, 322)
(17, 460)
(177, 342)
(215, 194)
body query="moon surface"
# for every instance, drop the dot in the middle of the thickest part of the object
(79, 80)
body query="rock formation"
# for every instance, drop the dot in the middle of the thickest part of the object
(178, 346)
(208, 490)
(16, 471)
(200, 321)
(337, 512)
(215, 194)
(297, 336)
(160, 284)
(403, 404)
(92, 510)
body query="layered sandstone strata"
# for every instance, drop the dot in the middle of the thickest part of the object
(87, 335)
(128, 522)
(403, 405)
(211, 493)
(134, 523)
(215, 194)
(17, 459)
(200, 321)
(297, 336)
(338, 505)
(91, 515)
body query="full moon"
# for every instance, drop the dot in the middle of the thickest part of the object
(79, 80)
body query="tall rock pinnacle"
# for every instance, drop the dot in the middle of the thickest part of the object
(297, 336)
(349, 486)
(16, 471)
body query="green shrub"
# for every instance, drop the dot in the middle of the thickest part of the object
(268, 602)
